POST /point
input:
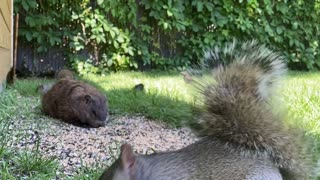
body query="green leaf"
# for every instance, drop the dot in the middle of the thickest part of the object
(115, 44)
(279, 30)
(28, 36)
(169, 13)
(195, 27)
(25, 5)
(165, 25)
(100, 2)
(282, 7)
(221, 21)
(225, 32)
(295, 25)
(30, 21)
(39, 39)
(130, 51)
(74, 16)
(120, 39)
(32, 4)
(79, 47)
(206, 40)
(135, 65)
(209, 6)
(40, 49)
(52, 41)
(199, 6)
(112, 33)
(109, 62)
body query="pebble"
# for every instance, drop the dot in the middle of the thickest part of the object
(73, 146)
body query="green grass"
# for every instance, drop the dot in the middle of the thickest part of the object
(302, 93)
(166, 98)
(28, 87)
(20, 163)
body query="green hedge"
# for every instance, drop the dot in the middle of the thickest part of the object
(167, 33)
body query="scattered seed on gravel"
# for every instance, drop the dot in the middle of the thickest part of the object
(75, 146)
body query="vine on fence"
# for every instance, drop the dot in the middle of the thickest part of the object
(167, 33)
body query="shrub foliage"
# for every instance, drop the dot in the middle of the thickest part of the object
(166, 34)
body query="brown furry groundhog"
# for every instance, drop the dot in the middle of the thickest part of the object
(76, 102)
(64, 74)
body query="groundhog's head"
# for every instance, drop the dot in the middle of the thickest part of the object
(91, 108)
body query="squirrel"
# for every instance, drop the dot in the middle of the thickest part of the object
(241, 137)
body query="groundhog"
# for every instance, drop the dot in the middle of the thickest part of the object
(76, 102)
(64, 74)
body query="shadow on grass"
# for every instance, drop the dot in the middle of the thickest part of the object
(28, 87)
(151, 105)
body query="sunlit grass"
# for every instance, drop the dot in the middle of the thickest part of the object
(166, 98)
(302, 94)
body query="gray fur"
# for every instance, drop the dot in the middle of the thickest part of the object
(242, 137)
(44, 88)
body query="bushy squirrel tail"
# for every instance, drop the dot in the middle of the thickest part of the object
(238, 109)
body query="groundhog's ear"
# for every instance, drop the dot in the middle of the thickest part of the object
(127, 158)
(87, 98)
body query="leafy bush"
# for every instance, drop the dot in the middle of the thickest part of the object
(166, 33)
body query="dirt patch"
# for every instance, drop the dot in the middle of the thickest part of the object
(77, 146)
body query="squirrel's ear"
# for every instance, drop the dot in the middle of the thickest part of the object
(127, 157)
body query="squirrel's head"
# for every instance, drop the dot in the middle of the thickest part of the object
(91, 108)
(124, 167)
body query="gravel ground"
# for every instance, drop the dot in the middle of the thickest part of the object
(73, 145)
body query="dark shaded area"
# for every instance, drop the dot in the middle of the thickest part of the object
(296, 66)
(36, 64)
(149, 105)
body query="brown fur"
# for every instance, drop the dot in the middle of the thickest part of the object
(76, 102)
(64, 74)
(186, 77)
(242, 137)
